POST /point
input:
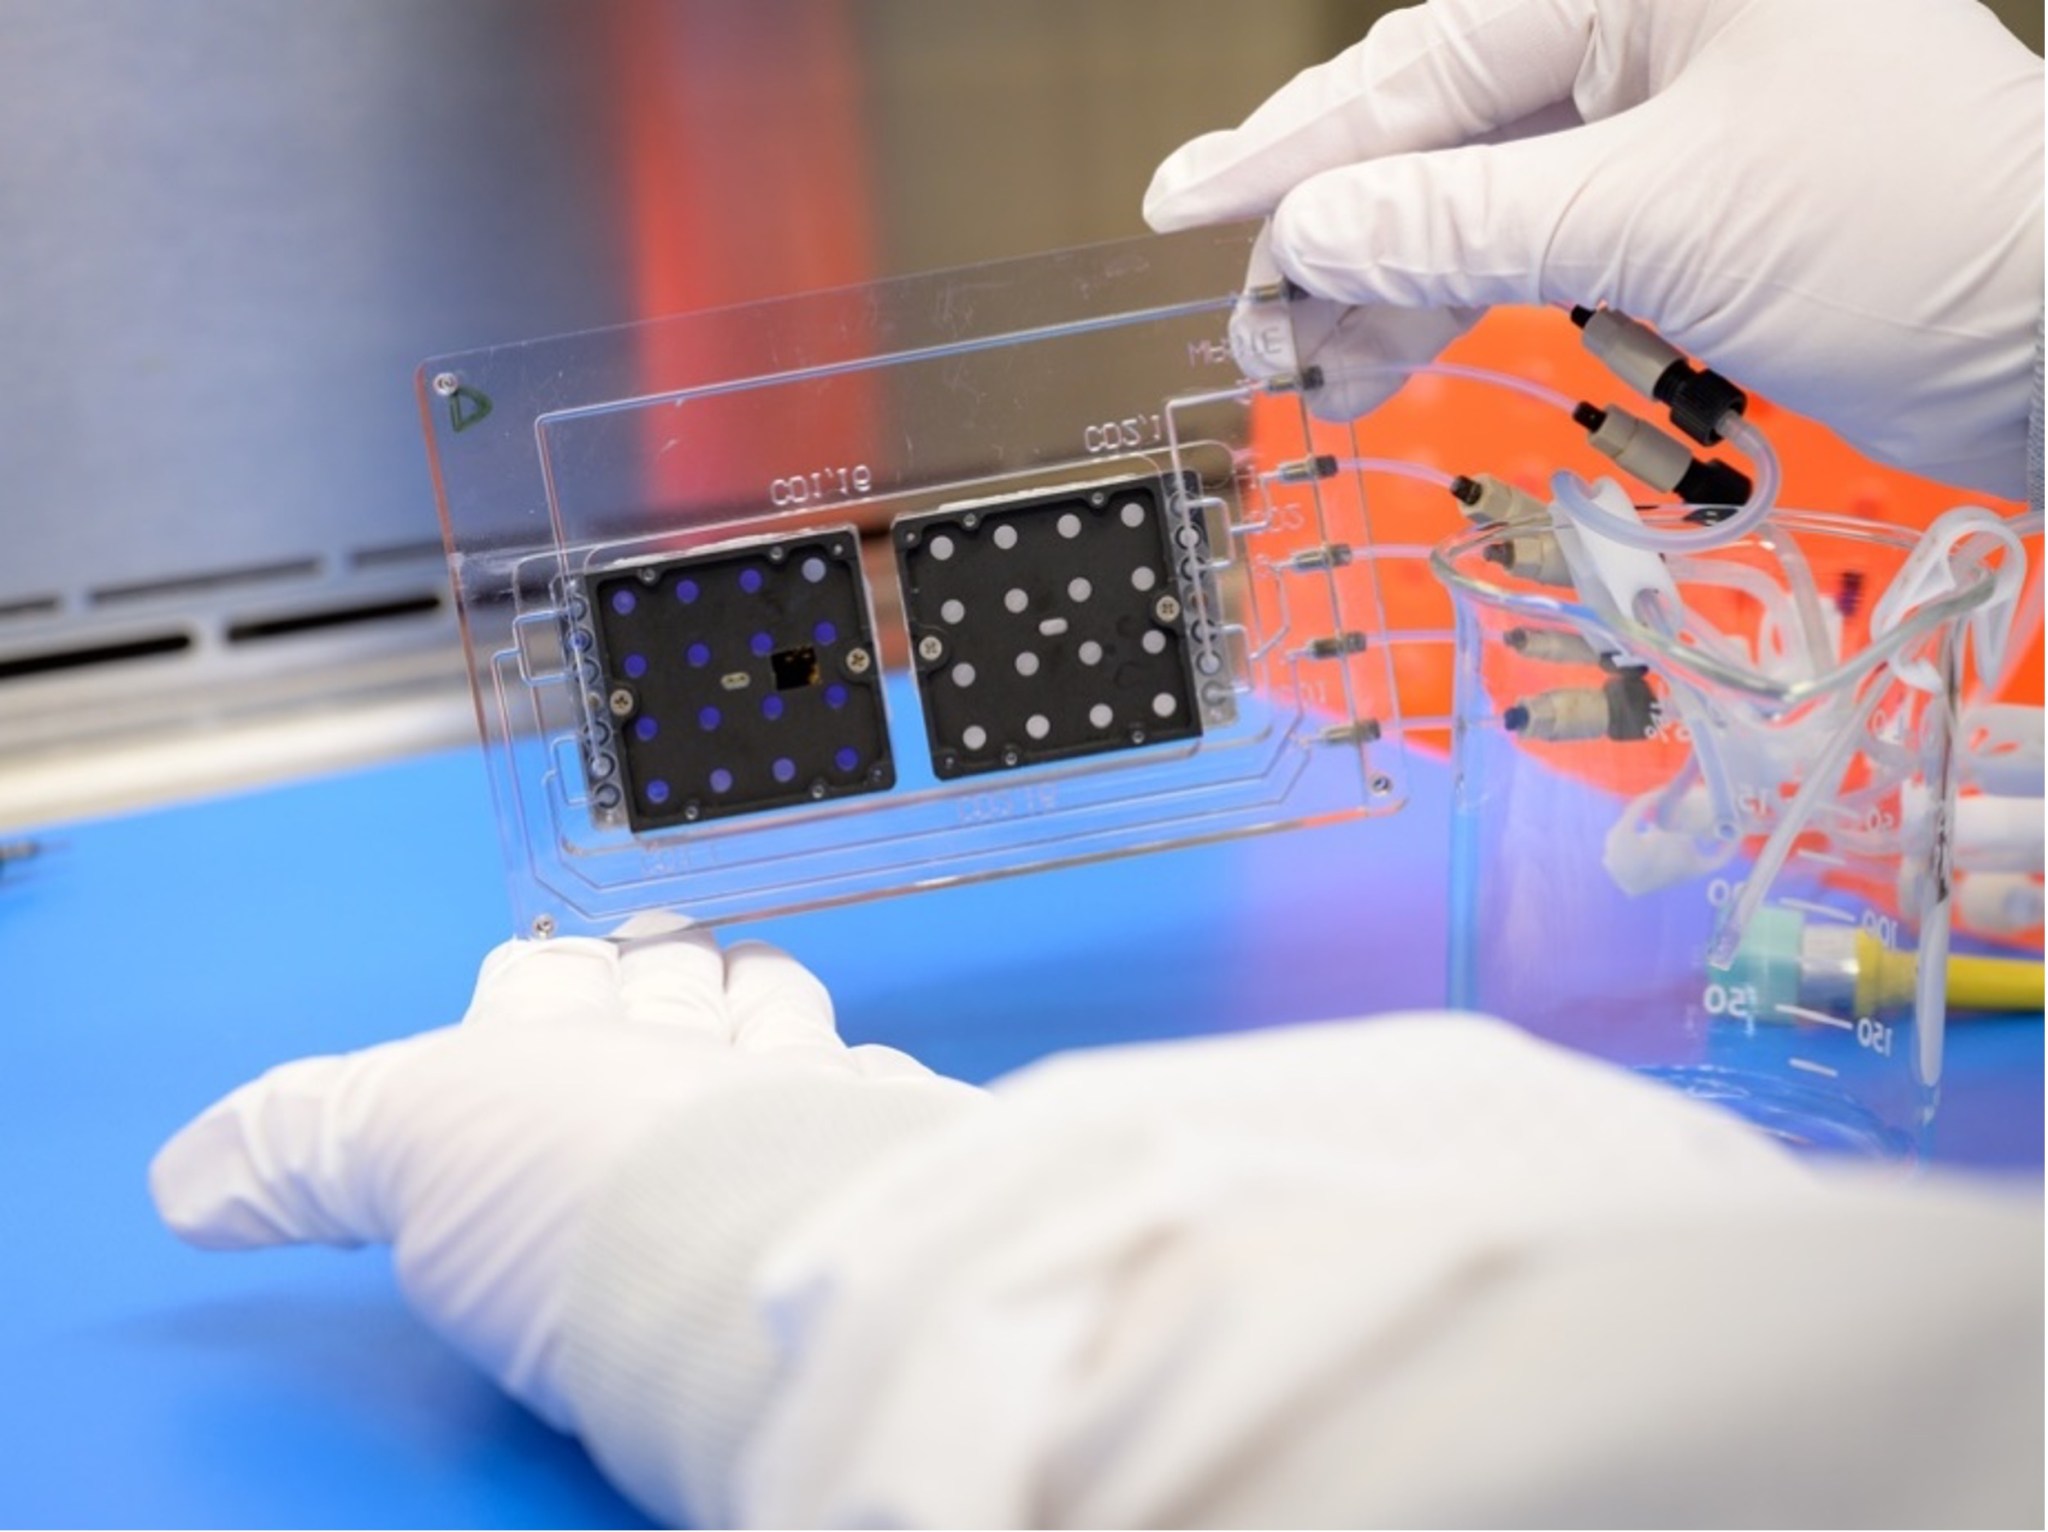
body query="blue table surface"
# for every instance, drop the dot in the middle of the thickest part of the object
(148, 964)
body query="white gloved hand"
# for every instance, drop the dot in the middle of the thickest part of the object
(474, 1149)
(1837, 204)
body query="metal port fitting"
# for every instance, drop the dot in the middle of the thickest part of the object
(1336, 646)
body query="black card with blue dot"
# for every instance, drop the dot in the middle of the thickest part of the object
(741, 681)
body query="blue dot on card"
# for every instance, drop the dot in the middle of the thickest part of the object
(707, 718)
(686, 591)
(623, 601)
(750, 580)
(835, 695)
(761, 643)
(636, 665)
(698, 655)
(847, 758)
(825, 633)
(784, 769)
(645, 728)
(721, 780)
(771, 706)
(657, 791)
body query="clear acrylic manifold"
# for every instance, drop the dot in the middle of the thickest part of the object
(901, 585)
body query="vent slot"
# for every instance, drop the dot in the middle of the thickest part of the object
(29, 606)
(256, 630)
(397, 553)
(185, 585)
(20, 666)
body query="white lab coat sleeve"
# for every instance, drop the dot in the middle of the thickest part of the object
(1419, 1270)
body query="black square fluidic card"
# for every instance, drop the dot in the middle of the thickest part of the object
(741, 681)
(1046, 627)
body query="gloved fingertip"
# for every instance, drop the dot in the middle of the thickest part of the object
(675, 977)
(1181, 196)
(1162, 212)
(877, 1061)
(775, 1000)
(287, 1158)
(1165, 212)
(527, 979)
(652, 923)
(204, 1192)
(1296, 238)
(1335, 235)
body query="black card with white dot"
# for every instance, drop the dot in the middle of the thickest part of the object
(742, 681)
(1046, 628)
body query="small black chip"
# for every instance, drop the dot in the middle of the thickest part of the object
(1046, 627)
(735, 682)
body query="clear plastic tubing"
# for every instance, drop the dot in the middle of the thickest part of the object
(1514, 385)
(1571, 493)
(1805, 601)
(1699, 720)
(1397, 467)
(2026, 619)
(1823, 779)
(1761, 589)
(1536, 391)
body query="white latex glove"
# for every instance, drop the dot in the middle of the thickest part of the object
(475, 1149)
(1837, 204)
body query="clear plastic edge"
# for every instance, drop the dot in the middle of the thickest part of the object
(1167, 544)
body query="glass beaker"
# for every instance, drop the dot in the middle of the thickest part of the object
(1708, 838)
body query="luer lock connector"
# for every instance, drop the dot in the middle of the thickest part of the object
(1622, 710)
(1697, 398)
(1536, 556)
(1553, 646)
(1662, 461)
(1487, 501)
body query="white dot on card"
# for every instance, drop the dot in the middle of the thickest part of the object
(1053, 627)
(1079, 589)
(952, 611)
(1027, 664)
(963, 674)
(1090, 652)
(1005, 536)
(942, 548)
(1143, 577)
(1100, 715)
(814, 570)
(1038, 726)
(1069, 525)
(1163, 704)
(1015, 600)
(1154, 642)
(974, 736)
(1132, 514)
